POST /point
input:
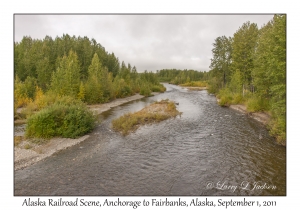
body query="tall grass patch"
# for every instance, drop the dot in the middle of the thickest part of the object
(155, 112)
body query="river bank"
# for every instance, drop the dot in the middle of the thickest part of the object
(27, 153)
(262, 117)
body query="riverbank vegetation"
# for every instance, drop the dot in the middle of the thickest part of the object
(48, 71)
(156, 112)
(250, 68)
(194, 84)
(177, 77)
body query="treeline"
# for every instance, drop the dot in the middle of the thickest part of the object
(175, 76)
(250, 68)
(53, 74)
(77, 67)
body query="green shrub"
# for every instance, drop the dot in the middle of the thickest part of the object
(225, 97)
(158, 88)
(255, 104)
(126, 91)
(237, 98)
(145, 90)
(278, 129)
(155, 88)
(66, 118)
(213, 85)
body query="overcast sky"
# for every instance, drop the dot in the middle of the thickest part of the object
(149, 42)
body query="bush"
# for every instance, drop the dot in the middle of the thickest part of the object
(278, 129)
(66, 118)
(255, 104)
(41, 101)
(195, 84)
(121, 89)
(213, 85)
(225, 97)
(158, 88)
(155, 88)
(145, 90)
(237, 98)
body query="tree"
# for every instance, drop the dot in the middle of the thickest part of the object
(66, 79)
(243, 49)
(81, 94)
(222, 57)
(99, 82)
(261, 62)
(270, 71)
(113, 64)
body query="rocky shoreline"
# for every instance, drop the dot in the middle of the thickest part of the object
(27, 153)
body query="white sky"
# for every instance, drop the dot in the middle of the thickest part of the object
(149, 42)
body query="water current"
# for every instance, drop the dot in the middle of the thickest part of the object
(208, 150)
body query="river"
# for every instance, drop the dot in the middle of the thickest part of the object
(208, 150)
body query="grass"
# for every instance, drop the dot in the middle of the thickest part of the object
(194, 84)
(154, 113)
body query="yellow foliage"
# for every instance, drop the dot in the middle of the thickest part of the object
(38, 93)
(81, 94)
(21, 100)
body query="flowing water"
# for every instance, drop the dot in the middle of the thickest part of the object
(208, 150)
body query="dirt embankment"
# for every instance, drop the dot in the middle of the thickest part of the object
(27, 153)
(259, 116)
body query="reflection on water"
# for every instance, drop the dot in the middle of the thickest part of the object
(209, 150)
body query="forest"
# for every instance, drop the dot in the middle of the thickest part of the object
(54, 76)
(177, 76)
